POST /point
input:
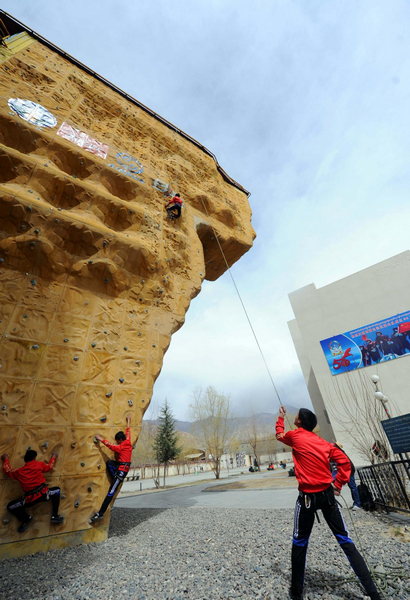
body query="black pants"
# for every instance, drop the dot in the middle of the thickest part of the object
(306, 504)
(174, 211)
(17, 507)
(117, 476)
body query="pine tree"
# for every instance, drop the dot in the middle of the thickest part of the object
(166, 441)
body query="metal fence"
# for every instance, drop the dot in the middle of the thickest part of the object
(389, 484)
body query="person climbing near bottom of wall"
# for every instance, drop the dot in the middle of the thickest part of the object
(34, 486)
(174, 206)
(117, 469)
(312, 456)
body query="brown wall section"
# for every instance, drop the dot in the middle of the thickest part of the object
(93, 278)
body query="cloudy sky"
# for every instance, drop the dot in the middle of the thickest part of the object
(306, 104)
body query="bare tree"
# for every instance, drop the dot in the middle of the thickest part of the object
(252, 435)
(359, 415)
(211, 414)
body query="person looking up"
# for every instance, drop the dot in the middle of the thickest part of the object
(311, 456)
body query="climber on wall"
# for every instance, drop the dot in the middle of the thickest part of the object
(118, 469)
(34, 486)
(174, 206)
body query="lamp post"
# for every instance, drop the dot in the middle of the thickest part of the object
(383, 399)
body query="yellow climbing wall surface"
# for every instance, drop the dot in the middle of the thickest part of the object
(94, 279)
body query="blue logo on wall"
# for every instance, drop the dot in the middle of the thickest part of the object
(128, 165)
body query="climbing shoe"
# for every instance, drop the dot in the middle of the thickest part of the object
(57, 520)
(96, 517)
(24, 526)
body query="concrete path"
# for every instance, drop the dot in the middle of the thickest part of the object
(148, 484)
(195, 496)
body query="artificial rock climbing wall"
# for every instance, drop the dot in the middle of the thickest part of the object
(93, 278)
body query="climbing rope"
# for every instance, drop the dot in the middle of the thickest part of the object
(382, 580)
(238, 293)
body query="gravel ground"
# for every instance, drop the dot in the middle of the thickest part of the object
(203, 554)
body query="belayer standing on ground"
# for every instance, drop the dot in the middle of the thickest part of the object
(311, 455)
(174, 206)
(34, 486)
(117, 469)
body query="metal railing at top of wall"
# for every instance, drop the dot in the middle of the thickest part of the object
(389, 484)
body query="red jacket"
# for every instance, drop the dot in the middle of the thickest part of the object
(311, 455)
(123, 450)
(31, 475)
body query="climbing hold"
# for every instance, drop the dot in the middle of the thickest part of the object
(154, 345)
(90, 489)
(35, 347)
(137, 362)
(121, 380)
(73, 445)
(108, 394)
(125, 348)
(66, 340)
(57, 220)
(24, 316)
(98, 466)
(135, 372)
(6, 521)
(143, 281)
(82, 464)
(63, 496)
(139, 333)
(142, 400)
(106, 332)
(106, 280)
(140, 299)
(4, 407)
(33, 282)
(37, 231)
(1, 260)
(93, 345)
(90, 262)
(77, 504)
(32, 244)
(105, 243)
(95, 440)
(76, 358)
(103, 419)
(130, 402)
(59, 208)
(45, 445)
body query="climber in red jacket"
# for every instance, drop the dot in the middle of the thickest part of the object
(34, 486)
(117, 469)
(311, 455)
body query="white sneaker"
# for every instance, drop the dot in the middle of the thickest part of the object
(355, 507)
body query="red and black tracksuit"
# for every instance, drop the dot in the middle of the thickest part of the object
(119, 468)
(311, 456)
(34, 486)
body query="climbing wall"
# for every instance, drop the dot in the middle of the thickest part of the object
(94, 279)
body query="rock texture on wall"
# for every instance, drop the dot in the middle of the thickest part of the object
(94, 279)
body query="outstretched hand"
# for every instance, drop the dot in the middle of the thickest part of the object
(128, 420)
(98, 437)
(4, 457)
(282, 411)
(54, 455)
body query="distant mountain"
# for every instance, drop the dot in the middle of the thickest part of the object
(238, 423)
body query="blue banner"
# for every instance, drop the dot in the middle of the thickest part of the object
(381, 341)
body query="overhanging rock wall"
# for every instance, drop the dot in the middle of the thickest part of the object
(93, 278)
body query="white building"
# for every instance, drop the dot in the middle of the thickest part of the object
(370, 301)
